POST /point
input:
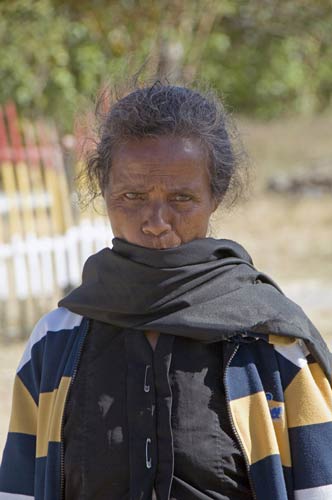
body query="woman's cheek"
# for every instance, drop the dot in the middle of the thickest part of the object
(118, 208)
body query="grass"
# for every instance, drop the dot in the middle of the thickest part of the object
(284, 145)
(288, 237)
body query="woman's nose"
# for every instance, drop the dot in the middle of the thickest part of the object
(156, 222)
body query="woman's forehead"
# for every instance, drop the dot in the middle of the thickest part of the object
(166, 148)
(181, 179)
(167, 159)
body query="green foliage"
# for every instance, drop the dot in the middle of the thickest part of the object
(277, 58)
(268, 57)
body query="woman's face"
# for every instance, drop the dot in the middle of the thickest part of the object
(159, 194)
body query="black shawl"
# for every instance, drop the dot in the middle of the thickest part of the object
(208, 290)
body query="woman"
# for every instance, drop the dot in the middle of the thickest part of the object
(176, 370)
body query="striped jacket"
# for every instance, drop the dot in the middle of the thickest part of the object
(279, 400)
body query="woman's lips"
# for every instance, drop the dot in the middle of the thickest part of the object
(160, 243)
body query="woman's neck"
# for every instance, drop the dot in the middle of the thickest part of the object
(152, 337)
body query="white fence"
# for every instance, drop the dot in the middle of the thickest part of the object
(42, 265)
(36, 271)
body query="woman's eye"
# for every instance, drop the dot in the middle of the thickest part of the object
(182, 197)
(133, 196)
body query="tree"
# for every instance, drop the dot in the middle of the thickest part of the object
(267, 57)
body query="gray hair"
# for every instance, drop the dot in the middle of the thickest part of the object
(163, 109)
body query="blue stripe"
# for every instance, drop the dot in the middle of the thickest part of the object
(53, 472)
(30, 373)
(311, 455)
(288, 370)
(268, 479)
(48, 474)
(288, 475)
(18, 465)
(58, 352)
(254, 369)
(40, 475)
(57, 349)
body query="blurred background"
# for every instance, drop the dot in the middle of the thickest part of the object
(271, 62)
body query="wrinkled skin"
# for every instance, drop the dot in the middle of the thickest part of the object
(159, 194)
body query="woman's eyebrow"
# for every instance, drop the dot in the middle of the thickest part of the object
(137, 185)
(142, 187)
(131, 186)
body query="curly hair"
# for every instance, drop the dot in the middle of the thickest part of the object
(162, 109)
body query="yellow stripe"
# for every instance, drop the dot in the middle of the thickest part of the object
(278, 340)
(322, 383)
(51, 406)
(254, 425)
(309, 397)
(24, 410)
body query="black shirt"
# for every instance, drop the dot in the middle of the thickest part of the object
(139, 420)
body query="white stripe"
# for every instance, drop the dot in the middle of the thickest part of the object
(319, 493)
(296, 353)
(55, 321)
(14, 496)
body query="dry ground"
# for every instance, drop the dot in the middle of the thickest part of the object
(288, 238)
